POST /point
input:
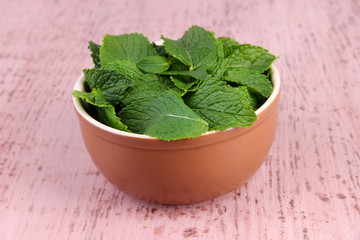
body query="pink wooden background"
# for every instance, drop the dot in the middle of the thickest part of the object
(309, 186)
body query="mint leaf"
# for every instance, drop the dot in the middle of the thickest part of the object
(111, 83)
(177, 68)
(228, 44)
(165, 117)
(249, 56)
(176, 65)
(95, 97)
(196, 49)
(104, 111)
(95, 51)
(148, 86)
(184, 83)
(221, 63)
(253, 79)
(249, 98)
(132, 47)
(222, 106)
(154, 64)
(220, 69)
(200, 74)
(126, 68)
(221, 81)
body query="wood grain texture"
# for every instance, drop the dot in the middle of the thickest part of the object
(309, 186)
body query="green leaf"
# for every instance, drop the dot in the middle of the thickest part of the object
(176, 65)
(148, 86)
(126, 68)
(178, 69)
(95, 51)
(220, 80)
(196, 49)
(165, 117)
(95, 97)
(104, 111)
(220, 69)
(112, 84)
(228, 44)
(184, 83)
(194, 87)
(221, 63)
(249, 98)
(253, 79)
(200, 74)
(154, 64)
(249, 56)
(132, 47)
(221, 105)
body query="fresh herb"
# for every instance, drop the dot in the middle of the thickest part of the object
(180, 89)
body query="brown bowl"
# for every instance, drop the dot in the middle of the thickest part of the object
(183, 171)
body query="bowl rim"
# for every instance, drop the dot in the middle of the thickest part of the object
(79, 86)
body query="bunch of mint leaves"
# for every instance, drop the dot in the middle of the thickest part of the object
(180, 89)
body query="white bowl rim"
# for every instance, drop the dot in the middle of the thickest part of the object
(79, 85)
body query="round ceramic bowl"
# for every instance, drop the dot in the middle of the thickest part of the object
(182, 171)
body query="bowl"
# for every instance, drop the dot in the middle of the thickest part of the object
(182, 171)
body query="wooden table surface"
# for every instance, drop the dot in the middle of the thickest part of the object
(308, 187)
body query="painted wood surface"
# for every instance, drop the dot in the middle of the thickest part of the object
(309, 186)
